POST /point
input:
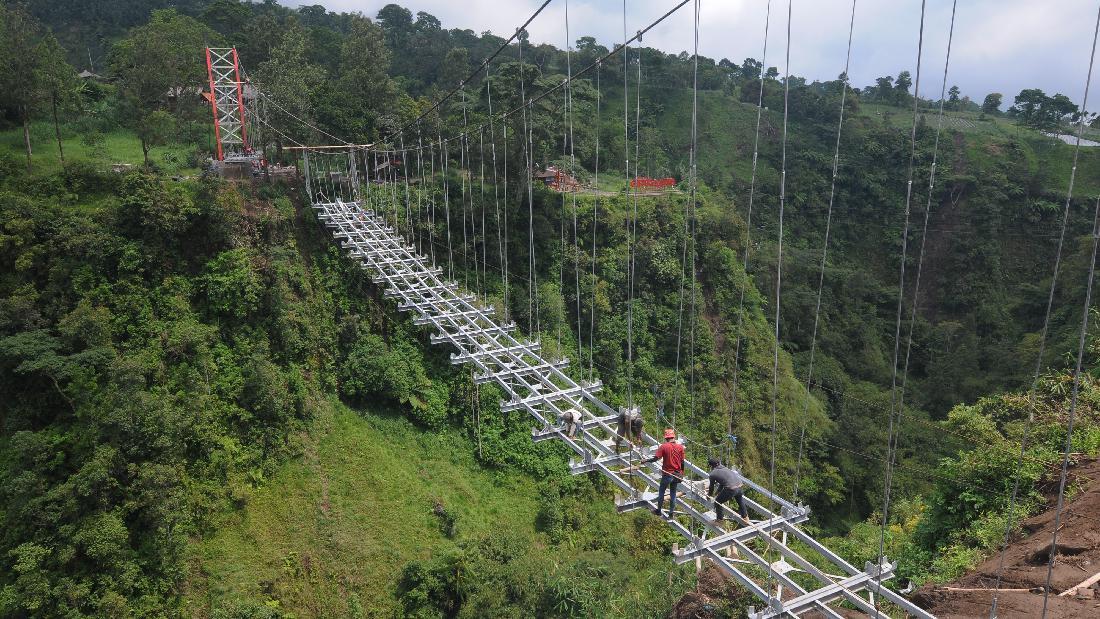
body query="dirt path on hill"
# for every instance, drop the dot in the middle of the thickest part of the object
(1025, 568)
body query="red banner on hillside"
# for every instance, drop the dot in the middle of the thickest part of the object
(644, 182)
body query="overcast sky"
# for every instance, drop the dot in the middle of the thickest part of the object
(1000, 45)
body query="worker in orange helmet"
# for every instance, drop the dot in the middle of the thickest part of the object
(671, 455)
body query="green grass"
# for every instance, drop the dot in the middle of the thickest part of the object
(726, 136)
(611, 180)
(966, 122)
(118, 146)
(986, 139)
(727, 139)
(344, 518)
(333, 529)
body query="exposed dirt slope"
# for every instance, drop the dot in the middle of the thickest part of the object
(714, 593)
(1025, 568)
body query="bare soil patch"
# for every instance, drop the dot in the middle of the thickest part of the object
(1025, 564)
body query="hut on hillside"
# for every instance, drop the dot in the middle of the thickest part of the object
(557, 179)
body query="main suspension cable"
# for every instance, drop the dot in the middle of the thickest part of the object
(825, 248)
(924, 230)
(573, 174)
(483, 66)
(267, 98)
(280, 133)
(748, 226)
(779, 248)
(689, 238)
(595, 221)
(496, 194)
(579, 74)
(1046, 326)
(633, 236)
(890, 439)
(1080, 344)
(1083, 337)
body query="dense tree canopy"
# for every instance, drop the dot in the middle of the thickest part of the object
(164, 343)
(157, 72)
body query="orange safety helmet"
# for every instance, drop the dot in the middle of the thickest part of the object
(670, 433)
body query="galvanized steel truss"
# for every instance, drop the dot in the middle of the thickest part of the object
(227, 92)
(543, 389)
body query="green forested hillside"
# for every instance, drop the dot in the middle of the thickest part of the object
(169, 345)
(207, 410)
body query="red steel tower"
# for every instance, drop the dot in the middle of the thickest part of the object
(227, 102)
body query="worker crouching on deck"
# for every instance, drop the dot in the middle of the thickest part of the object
(629, 426)
(570, 419)
(730, 486)
(671, 455)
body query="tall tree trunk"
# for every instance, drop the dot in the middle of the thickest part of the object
(57, 130)
(27, 134)
(145, 151)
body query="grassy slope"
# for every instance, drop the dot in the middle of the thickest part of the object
(119, 146)
(333, 529)
(727, 134)
(983, 137)
(343, 519)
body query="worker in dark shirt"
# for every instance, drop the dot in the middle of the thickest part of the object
(729, 485)
(671, 455)
(630, 427)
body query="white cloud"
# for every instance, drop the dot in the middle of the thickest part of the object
(999, 45)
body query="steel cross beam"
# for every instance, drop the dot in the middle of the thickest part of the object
(477, 312)
(597, 464)
(545, 391)
(552, 432)
(511, 371)
(828, 593)
(742, 534)
(529, 348)
(545, 398)
(412, 304)
(441, 338)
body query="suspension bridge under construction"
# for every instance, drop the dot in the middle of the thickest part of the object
(359, 197)
(543, 389)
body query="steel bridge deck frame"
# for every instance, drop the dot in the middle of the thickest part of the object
(545, 391)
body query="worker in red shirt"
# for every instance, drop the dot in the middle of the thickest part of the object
(671, 455)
